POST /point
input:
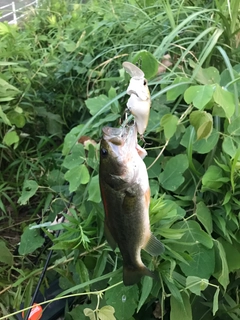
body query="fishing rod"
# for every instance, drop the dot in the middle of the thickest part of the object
(46, 265)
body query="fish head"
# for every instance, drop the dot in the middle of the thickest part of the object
(118, 146)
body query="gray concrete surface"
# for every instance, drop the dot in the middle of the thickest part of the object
(18, 4)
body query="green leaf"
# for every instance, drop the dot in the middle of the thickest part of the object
(83, 273)
(213, 178)
(148, 63)
(222, 272)
(89, 313)
(199, 95)
(202, 122)
(146, 289)
(95, 104)
(29, 189)
(206, 75)
(10, 138)
(234, 127)
(232, 255)
(202, 263)
(172, 176)
(194, 234)
(16, 118)
(106, 313)
(229, 146)
(169, 123)
(225, 99)
(123, 299)
(4, 117)
(180, 310)
(196, 284)
(201, 146)
(204, 216)
(30, 240)
(94, 190)
(215, 301)
(76, 157)
(77, 176)
(5, 254)
(175, 92)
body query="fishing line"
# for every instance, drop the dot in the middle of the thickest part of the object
(46, 266)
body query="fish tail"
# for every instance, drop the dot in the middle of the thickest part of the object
(132, 275)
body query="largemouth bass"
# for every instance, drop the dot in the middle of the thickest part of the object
(126, 196)
(139, 102)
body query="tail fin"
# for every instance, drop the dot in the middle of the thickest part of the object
(133, 275)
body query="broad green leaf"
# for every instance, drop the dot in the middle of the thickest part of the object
(146, 289)
(213, 178)
(94, 190)
(234, 127)
(180, 310)
(201, 146)
(196, 284)
(148, 63)
(199, 95)
(230, 146)
(225, 99)
(123, 299)
(206, 76)
(77, 176)
(172, 176)
(106, 313)
(222, 273)
(29, 189)
(95, 104)
(76, 157)
(232, 255)
(173, 93)
(16, 118)
(89, 313)
(6, 256)
(215, 301)
(194, 234)
(69, 142)
(204, 216)
(202, 264)
(30, 241)
(169, 123)
(202, 122)
(10, 138)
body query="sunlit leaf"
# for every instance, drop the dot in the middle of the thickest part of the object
(30, 241)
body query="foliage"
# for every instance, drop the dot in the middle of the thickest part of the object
(61, 81)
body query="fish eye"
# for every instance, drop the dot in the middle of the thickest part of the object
(104, 152)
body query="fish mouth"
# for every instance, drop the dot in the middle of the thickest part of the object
(119, 136)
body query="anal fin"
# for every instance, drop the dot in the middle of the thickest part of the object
(154, 246)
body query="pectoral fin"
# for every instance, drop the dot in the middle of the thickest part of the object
(154, 246)
(109, 237)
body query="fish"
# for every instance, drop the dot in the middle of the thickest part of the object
(139, 102)
(125, 195)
